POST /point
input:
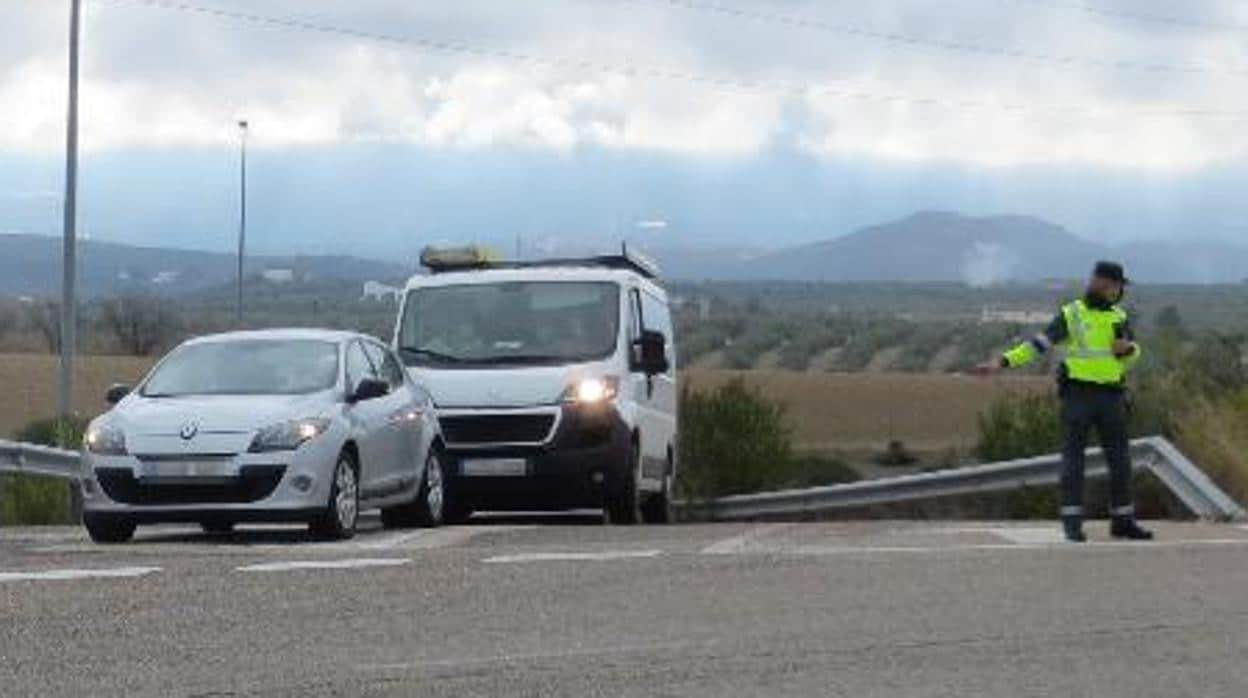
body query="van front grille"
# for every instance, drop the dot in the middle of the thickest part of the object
(486, 429)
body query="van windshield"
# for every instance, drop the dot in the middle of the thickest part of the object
(528, 322)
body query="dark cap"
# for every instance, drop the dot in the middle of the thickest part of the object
(1112, 271)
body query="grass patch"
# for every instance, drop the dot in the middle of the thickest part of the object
(31, 500)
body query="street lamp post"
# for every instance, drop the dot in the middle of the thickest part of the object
(242, 220)
(69, 242)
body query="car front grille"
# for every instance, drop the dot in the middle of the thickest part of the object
(254, 482)
(488, 429)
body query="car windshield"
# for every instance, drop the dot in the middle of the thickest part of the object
(509, 323)
(246, 367)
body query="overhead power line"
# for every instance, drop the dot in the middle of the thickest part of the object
(844, 90)
(1134, 16)
(1054, 60)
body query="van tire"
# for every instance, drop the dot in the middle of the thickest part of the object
(109, 528)
(622, 502)
(658, 507)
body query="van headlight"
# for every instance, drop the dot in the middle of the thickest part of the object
(105, 440)
(287, 436)
(592, 391)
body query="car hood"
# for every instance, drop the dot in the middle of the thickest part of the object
(221, 423)
(525, 386)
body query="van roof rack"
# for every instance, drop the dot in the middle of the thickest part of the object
(439, 260)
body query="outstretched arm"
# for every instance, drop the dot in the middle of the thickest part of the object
(1026, 352)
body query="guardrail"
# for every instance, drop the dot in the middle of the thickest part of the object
(18, 457)
(1156, 454)
(1192, 487)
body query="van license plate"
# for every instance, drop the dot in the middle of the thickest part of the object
(495, 467)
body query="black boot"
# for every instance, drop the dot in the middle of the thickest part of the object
(1127, 529)
(1073, 528)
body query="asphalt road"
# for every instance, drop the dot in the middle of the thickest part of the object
(574, 609)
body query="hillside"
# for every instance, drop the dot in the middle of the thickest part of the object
(946, 246)
(31, 265)
(936, 246)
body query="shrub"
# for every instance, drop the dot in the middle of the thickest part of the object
(732, 440)
(53, 431)
(31, 500)
(1017, 426)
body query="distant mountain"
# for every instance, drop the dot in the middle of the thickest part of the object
(945, 246)
(926, 246)
(31, 265)
(935, 246)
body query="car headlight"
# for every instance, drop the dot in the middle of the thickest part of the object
(287, 436)
(592, 391)
(105, 440)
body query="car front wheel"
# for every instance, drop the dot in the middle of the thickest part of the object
(109, 528)
(338, 520)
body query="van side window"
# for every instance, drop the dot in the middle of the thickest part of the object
(658, 318)
(358, 366)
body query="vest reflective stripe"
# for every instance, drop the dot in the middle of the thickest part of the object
(1090, 356)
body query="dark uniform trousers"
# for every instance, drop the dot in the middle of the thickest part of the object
(1084, 407)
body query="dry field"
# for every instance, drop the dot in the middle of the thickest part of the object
(830, 411)
(863, 411)
(29, 385)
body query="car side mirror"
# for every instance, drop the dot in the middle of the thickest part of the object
(650, 353)
(369, 389)
(116, 393)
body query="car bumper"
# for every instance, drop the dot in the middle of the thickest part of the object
(276, 486)
(589, 450)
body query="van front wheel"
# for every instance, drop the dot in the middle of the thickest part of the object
(622, 503)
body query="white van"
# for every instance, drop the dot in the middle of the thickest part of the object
(554, 381)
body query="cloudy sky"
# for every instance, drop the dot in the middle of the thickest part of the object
(377, 125)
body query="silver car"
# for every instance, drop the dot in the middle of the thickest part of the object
(278, 425)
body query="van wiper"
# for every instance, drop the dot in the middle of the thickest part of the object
(431, 354)
(521, 359)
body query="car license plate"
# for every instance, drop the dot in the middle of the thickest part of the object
(495, 467)
(188, 468)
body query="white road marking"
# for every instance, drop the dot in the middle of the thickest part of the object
(1047, 535)
(818, 550)
(323, 564)
(574, 556)
(739, 543)
(70, 575)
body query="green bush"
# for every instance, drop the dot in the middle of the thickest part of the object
(1017, 426)
(53, 431)
(732, 440)
(31, 500)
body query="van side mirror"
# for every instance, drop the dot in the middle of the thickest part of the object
(650, 353)
(116, 393)
(369, 389)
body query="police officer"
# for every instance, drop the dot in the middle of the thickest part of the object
(1100, 347)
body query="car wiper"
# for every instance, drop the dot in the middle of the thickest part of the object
(431, 354)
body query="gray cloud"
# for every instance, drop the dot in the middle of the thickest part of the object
(160, 78)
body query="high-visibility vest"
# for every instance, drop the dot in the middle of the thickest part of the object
(1089, 347)
(1089, 344)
